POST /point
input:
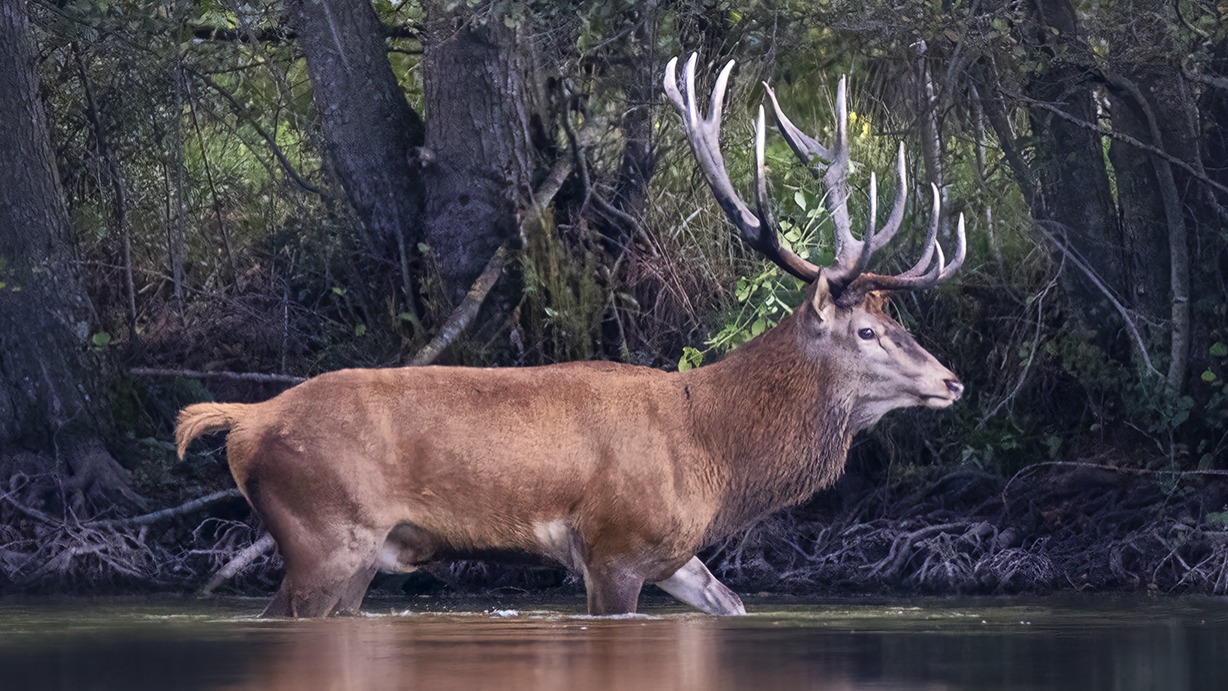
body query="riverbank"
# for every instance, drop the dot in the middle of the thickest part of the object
(1050, 528)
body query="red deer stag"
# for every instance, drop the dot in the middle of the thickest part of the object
(619, 473)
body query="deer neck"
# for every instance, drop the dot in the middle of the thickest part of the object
(776, 423)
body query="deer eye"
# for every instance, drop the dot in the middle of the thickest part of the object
(866, 334)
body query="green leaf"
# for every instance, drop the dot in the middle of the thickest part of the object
(691, 358)
(102, 339)
(1219, 349)
(1054, 443)
(360, 330)
(338, 290)
(800, 200)
(1217, 519)
(758, 327)
(1209, 376)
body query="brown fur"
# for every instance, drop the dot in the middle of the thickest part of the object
(621, 473)
(204, 418)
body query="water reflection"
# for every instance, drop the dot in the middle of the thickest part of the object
(1093, 644)
(682, 653)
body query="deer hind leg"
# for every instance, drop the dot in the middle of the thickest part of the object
(358, 562)
(352, 593)
(329, 564)
(611, 590)
(695, 585)
(319, 586)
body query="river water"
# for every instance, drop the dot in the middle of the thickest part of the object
(1090, 642)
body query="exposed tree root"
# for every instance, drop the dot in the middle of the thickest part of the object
(46, 547)
(1061, 527)
(1072, 526)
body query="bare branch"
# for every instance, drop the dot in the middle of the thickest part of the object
(1044, 105)
(1095, 280)
(199, 374)
(186, 507)
(1178, 243)
(241, 561)
(268, 138)
(275, 34)
(460, 318)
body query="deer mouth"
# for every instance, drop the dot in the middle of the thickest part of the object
(952, 391)
(938, 402)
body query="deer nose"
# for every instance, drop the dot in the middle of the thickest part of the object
(955, 387)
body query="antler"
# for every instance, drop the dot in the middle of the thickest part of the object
(758, 229)
(846, 276)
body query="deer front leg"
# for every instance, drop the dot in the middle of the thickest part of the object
(695, 585)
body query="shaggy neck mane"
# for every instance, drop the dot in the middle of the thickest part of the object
(776, 422)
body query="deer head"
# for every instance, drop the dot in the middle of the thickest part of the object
(843, 321)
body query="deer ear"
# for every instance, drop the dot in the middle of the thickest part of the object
(822, 304)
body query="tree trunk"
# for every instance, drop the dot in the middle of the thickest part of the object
(371, 131)
(1152, 103)
(51, 393)
(483, 102)
(639, 161)
(1211, 241)
(1142, 214)
(1155, 106)
(1214, 108)
(1075, 201)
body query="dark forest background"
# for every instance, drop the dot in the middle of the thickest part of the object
(216, 198)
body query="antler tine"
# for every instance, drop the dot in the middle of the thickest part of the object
(931, 238)
(924, 274)
(761, 191)
(897, 210)
(757, 229)
(770, 239)
(692, 102)
(961, 249)
(866, 243)
(717, 103)
(807, 149)
(849, 250)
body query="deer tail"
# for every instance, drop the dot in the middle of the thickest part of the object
(205, 418)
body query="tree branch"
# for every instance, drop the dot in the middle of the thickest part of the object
(241, 561)
(1091, 276)
(236, 376)
(268, 138)
(460, 318)
(1043, 105)
(995, 111)
(276, 34)
(464, 313)
(1178, 242)
(186, 507)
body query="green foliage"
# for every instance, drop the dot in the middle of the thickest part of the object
(272, 277)
(691, 358)
(1218, 519)
(564, 300)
